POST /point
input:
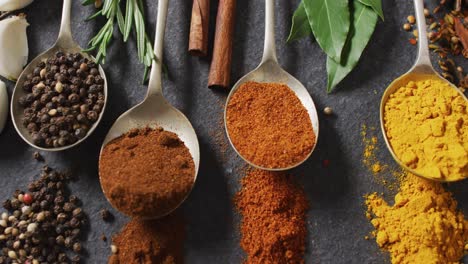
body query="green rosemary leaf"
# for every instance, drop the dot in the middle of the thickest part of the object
(103, 47)
(101, 33)
(120, 19)
(93, 16)
(145, 74)
(140, 31)
(99, 57)
(148, 59)
(87, 2)
(106, 7)
(91, 48)
(128, 20)
(140, 6)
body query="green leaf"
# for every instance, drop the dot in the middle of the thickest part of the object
(140, 31)
(376, 5)
(120, 20)
(300, 24)
(329, 20)
(87, 2)
(128, 20)
(106, 6)
(93, 16)
(363, 25)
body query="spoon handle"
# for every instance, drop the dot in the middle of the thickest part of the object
(423, 48)
(155, 82)
(65, 38)
(269, 48)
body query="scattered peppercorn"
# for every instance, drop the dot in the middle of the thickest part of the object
(37, 156)
(106, 215)
(328, 110)
(34, 230)
(56, 93)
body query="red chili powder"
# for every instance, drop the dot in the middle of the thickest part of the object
(148, 242)
(273, 209)
(146, 172)
(268, 125)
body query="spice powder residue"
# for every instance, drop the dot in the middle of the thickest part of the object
(146, 172)
(268, 125)
(273, 209)
(150, 241)
(423, 225)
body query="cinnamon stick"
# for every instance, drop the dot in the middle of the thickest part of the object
(198, 40)
(220, 69)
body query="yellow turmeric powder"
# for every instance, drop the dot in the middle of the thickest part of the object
(423, 226)
(426, 123)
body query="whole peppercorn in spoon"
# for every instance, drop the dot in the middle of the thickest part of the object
(60, 96)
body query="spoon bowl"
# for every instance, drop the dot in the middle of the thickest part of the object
(65, 44)
(421, 70)
(269, 70)
(156, 111)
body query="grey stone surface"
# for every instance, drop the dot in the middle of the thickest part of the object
(336, 220)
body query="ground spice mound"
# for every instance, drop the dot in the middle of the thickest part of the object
(273, 209)
(426, 123)
(268, 125)
(146, 172)
(423, 226)
(149, 242)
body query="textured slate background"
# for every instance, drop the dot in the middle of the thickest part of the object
(336, 221)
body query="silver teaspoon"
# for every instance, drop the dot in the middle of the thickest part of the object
(65, 43)
(421, 70)
(155, 110)
(269, 70)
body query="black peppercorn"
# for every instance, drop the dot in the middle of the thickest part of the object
(77, 247)
(62, 87)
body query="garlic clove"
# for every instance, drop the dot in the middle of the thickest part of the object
(3, 105)
(12, 5)
(13, 46)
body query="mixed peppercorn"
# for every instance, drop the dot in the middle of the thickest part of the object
(64, 98)
(42, 225)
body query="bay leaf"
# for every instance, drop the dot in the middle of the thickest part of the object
(364, 20)
(376, 5)
(329, 20)
(300, 24)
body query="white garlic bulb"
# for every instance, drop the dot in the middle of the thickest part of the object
(3, 105)
(13, 46)
(12, 5)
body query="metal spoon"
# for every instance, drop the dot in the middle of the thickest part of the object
(155, 110)
(269, 70)
(421, 70)
(65, 43)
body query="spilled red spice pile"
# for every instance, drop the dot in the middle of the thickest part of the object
(268, 125)
(148, 242)
(273, 209)
(146, 172)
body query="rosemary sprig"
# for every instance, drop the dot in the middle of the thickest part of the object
(133, 18)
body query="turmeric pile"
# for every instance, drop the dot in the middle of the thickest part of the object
(426, 123)
(423, 225)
